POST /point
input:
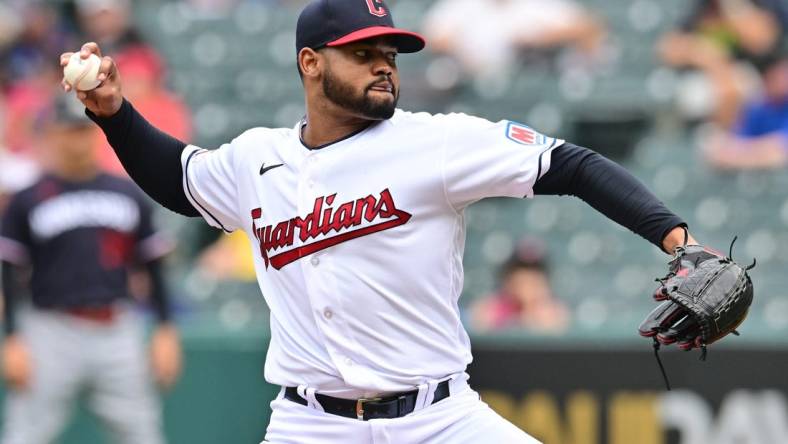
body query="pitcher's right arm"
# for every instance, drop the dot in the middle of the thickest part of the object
(151, 158)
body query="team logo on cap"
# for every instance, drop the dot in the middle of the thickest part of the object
(524, 135)
(376, 8)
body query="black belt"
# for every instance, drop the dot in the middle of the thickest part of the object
(393, 406)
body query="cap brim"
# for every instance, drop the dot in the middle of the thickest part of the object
(406, 41)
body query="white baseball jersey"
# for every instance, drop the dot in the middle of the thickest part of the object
(358, 245)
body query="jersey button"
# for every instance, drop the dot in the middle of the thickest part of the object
(328, 314)
(349, 362)
(314, 261)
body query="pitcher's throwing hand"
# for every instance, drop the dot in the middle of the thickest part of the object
(106, 98)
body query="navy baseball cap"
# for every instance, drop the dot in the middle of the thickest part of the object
(339, 22)
(65, 110)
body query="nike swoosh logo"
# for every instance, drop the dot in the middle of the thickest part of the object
(263, 168)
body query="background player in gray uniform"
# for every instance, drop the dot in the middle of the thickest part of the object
(79, 230)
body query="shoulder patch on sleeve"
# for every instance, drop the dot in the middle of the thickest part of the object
(525, 135)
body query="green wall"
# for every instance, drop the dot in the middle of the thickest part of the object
(221, 397)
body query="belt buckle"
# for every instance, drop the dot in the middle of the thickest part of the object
(360, 406)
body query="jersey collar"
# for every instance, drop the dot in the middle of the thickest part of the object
(302, 124)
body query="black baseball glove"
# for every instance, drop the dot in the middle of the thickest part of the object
(704, 296)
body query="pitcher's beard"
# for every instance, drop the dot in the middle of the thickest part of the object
(343, 95)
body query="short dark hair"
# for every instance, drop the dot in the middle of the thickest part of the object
(529, 253)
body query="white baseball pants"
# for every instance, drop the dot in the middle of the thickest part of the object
(462, 418)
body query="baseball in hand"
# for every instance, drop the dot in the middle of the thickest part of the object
(82, 74)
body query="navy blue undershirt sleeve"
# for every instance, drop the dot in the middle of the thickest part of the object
(151, 158)
(159, 296)
(610, 189)
(9, 297)
(14, 226)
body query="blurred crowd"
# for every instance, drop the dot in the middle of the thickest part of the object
(38, 32)
(488, 36)
(736, 51)
(731, 61)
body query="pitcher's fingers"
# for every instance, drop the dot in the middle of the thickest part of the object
(88, 49)
(106, 68)
(64, 58)
(66, 85)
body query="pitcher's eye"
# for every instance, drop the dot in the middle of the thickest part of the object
(361, 53)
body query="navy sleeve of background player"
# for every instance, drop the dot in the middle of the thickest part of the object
(9, 296)
(151, 244)
(14, 252)
(150, 157)
(610, 189)
(15, 239)
(145, 229)
(151, 247)
(159, 297)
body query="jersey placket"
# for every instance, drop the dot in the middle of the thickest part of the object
(320, 281)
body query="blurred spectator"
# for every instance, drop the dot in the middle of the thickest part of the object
(41, 39)
(229, 258)
(24, 101)
(29, 68)
(110, 24)
(524, 299)
(213, 8)
(487, 36)
(10, 25)
(714, 37)
(79, 231)
(760, 137)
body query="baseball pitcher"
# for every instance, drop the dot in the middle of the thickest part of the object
(356, 215)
